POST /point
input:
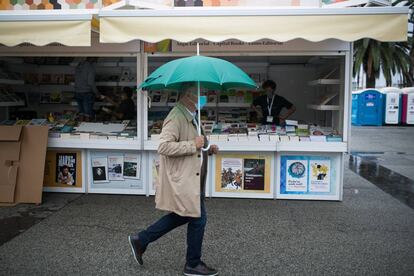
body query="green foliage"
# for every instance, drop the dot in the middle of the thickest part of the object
(390, 58)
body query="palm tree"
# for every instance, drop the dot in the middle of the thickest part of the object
(375, 56)
(409, 77)
(389, 57)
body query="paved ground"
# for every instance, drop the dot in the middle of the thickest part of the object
(392, 147)
(369, 233)
(382, 139)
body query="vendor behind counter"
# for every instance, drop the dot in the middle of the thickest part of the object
(125, 109)
(269, 106)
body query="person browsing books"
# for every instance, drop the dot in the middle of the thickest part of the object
(180, 188)
(269, 106)
(85, 87)
(124, 110)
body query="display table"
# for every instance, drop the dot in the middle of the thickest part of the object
(280, 170)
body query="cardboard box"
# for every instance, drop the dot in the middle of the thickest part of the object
(22, 162)
(10, 144)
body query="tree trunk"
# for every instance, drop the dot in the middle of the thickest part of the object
(370, 81)
(388, 83)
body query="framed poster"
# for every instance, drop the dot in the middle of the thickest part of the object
(66, 168)
(243, 175)
(311, 176)
(63, 171)
(115, 172)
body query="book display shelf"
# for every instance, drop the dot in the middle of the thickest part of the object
(300, 159)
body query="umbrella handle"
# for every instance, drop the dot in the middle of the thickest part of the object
(207, 148)
(149, 100)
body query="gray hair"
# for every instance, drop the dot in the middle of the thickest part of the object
(186, 89)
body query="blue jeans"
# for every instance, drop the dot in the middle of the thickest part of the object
(85, 103)
(195, 233)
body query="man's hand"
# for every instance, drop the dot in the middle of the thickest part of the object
(281, 120)
(214, 149)
(199, 142)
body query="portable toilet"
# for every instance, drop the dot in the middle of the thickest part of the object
(407, 114)
(367, 108)
(392, 108)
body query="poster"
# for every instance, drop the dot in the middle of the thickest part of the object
(66, 168)
(308, 175)
(231, 174)
(99, 170)
(132, 166)
(296, 175)
(254, 173)
(243, 173)
(115, 167)
(56, 175)
(320, 176)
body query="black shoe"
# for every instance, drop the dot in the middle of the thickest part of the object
(200, 270)
(137, 249)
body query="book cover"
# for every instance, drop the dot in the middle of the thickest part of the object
(254, 173)
(132, 166)
(296, 175)
(317, 138)
(291, 122)
(8, 122)
(304, 139)
(173, 98)
(115, 167)
(231, 175)
(22, 122)
(155, 96)
(100, 170)
(284, 138)
(334, 138)
(66, 168)
(212, 96)
(37, 122)
(320, 177)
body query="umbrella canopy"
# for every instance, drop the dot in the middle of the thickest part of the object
(211, 73)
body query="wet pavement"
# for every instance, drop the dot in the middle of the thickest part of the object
(371, 232)
(385, 157)
(368, 166)
(16, 220)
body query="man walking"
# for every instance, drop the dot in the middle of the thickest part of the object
(181, 185)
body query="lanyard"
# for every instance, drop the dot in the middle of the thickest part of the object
(269, 107)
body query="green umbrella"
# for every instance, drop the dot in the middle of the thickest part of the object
(211, 73)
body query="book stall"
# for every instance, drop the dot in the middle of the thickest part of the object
(302, 158)
(99, 154)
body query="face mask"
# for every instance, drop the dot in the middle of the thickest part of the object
(203, 102)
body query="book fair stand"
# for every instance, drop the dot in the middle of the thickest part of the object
(307, 52)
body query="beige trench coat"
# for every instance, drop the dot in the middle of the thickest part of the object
(178, 187)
